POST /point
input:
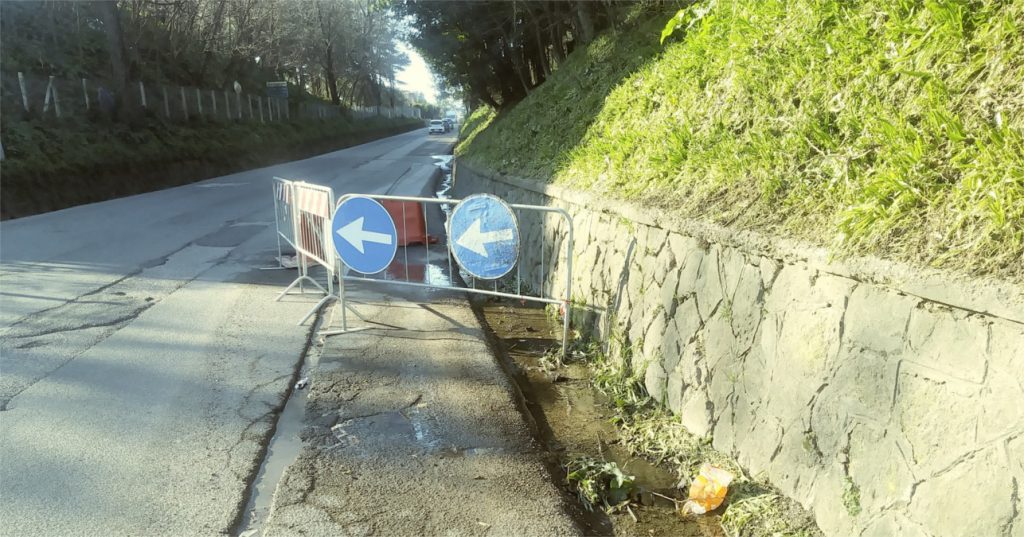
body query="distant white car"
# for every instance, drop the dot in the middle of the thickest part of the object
(436, 125)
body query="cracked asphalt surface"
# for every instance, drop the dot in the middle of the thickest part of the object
(412, 428)
(142, 358)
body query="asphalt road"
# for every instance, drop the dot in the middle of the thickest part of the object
(142, 357)
(412, 428)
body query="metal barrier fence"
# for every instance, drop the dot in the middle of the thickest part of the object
(311, 212)
(511, 285)
(283, 214)
(310, 221)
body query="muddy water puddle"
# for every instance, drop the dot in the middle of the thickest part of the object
(573, 420)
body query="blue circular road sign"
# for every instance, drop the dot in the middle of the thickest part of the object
(364, 235)
(483, 236)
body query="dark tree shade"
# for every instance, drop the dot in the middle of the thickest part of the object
(498, 51)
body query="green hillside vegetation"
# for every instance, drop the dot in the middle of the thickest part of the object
(887, 127)
(54, 164)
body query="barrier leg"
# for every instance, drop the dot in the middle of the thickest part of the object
(299, 281)
(318, 305)
(341, 293)
(345, 306)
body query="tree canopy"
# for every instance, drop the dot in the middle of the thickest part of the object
(499, 51)
(342, 50)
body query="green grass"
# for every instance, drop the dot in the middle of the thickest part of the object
(599, 483)
(851, 497)
(889, 128)
(752, 509)
(755, 512)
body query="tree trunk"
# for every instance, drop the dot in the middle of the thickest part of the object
(332, 80)
(556, 33)
(586, 23)
(510, 57)
(327, 35)
(115, 42)
(542, 50)
(218, 22)
(515, 61)
(609, 9)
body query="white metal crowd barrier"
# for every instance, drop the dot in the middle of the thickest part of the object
(283, 215)
(511, 286)
(312, 210)
(311, 223)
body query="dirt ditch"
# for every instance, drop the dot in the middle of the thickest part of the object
(574, 420)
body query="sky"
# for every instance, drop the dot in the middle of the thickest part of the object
(416, 76)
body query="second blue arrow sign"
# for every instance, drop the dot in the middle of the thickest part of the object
(484, 236)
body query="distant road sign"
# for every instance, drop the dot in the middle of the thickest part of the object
(486, 236)
(277, 90)
(364, 235)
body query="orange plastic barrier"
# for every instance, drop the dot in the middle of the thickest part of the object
(410, 222)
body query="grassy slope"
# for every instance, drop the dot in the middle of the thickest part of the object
(55, 164)
(893, 128)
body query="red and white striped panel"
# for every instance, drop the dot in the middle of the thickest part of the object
(310, 239)
(316, 202)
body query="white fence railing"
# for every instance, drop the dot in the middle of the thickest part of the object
(385, 111)
(25, 95)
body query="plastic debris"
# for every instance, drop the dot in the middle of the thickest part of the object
(288, 261)
(302, 383)
(708, 490)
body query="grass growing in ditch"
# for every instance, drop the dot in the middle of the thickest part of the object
(893, 128)
(599, 483)
(647, 429)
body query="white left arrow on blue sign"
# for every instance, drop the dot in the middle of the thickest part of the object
(364, 234)
(354, 233)
(476, 241)
(485, 236)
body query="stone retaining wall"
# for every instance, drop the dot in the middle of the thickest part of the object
(887, 400)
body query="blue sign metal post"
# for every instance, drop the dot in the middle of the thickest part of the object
(364, 235)
(484, 236)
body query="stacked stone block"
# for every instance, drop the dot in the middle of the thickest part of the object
(886, 405)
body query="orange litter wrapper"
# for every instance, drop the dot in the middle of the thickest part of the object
(708, 490)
